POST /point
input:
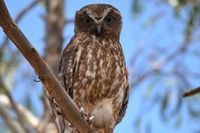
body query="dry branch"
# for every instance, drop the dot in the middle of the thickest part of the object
(54, 25)
(27, 115)
(19, 114)
(43, 71)
(192, 92)
(33, 122)
(14, 126)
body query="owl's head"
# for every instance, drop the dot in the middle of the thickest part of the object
(98, 19)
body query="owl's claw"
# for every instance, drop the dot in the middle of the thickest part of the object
(86, 117)
(82, 110)
(70, 125)
(91, 118)
(83, 113)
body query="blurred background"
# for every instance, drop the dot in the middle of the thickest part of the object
(161, 43)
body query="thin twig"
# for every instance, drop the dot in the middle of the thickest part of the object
(192, 92)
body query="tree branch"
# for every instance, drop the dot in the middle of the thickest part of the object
(20, 16)
(28, 116)
(31, 120)
(54, 26)
(20, 116)
(14, 126)
(192, 92)
(43, 71)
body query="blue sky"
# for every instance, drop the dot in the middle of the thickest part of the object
(132, 36)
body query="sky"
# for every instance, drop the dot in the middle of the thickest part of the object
(132, 36)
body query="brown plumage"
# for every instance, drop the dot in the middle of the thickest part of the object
(93, 70)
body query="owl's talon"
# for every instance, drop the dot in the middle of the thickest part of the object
(60, 74)
(82, 110)
(83, 113)
(91, 118)
(86, 117)
(70, 125)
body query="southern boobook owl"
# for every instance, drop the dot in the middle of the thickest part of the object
(93, 69)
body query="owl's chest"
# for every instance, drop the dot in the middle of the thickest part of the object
(97, 59)
(100, 71)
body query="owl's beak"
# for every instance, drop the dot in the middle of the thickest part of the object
(98, 28)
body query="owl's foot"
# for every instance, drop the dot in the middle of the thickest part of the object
(69, 124)
(83, 113)
(86, 117)
(82, 110)
(90, 120)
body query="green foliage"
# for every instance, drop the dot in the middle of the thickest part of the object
(194, 113)
(136, 7)
(164, 105)
(193, 108)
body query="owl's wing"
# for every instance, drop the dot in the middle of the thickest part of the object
(124, 106)
(68, 67)
(67, 70)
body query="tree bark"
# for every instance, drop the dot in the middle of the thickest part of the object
(54, 25)
(54, 22)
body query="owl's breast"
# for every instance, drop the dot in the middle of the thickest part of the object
(101, 72)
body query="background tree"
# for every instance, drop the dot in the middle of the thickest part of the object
(163, 60)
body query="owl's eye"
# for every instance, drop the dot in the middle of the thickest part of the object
(87, 20)
(109, 19)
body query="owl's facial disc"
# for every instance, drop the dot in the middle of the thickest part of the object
(96, 28)
(98, 21)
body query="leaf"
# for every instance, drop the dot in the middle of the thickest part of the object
(182, 2)
(164, 106)
(149, 90)
(193, 112)
(196, 9)
(136, 7)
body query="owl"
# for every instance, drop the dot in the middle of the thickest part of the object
(93, 69)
